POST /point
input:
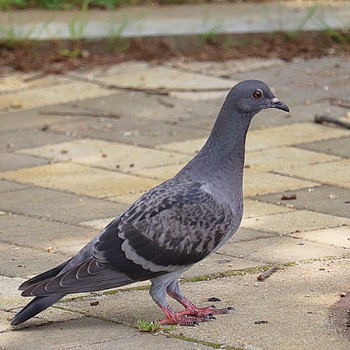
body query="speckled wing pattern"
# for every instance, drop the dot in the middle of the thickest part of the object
(171, 227)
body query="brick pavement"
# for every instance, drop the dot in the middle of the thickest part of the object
(65, 173)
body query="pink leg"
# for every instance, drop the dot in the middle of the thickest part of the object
(181, 318)
(193, 310)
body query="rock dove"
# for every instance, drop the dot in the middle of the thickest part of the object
(171, 227)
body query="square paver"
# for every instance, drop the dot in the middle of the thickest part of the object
(130, 130)
(6, 186)
(51, 95)
(166, 78)
(284, 158)
(81, 180)
(333, 173)
(323, 199)
(25, 262)
(279, 250)
(254, 208)
(288, 135)
(126, 158)
(47, 236)
(29, 138)
(257, 183)
(188, 147)
(59, 206)
(335, 236)
(339, 147)
(296, 220)
(11, 161)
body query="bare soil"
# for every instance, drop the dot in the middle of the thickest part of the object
(59, 57)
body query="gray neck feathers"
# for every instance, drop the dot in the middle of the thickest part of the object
(221, 159)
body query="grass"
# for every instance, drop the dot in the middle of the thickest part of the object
(278, 22)
(13, 36)
(148, 327)
(115, 40)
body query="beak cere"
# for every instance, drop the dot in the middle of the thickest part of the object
(276, 103)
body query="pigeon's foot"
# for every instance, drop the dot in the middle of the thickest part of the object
(193, 310)
(183, 318)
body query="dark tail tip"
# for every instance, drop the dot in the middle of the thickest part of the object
(37, 305)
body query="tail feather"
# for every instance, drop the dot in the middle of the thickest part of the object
(37, 305)
(43, 276)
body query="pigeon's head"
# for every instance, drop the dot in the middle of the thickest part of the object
(252, 96)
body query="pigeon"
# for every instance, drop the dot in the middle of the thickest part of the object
(169, 228)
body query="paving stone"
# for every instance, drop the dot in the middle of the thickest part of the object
(53, 205)
(220, 263)
(198, 97)
(323, 199)
(46, 236)
(299, 297)
(93, 334)
(336, 236)
(227, 68)
(258, 183)
(51, 95)
(81, 180)
(10, 161)
(286, 135)
(6, 186)
(22, 81)
(309, 80)
(243, 235)
(162, 172)
(306, 111)
(31, 119)
(166, 78)
(127, 198)
(25, 262)
(282, 249)
(29, 138)
(155, 108)
(114, 69)
(339, 147)
(334, 173)
(188, 147)
(126, 158)
(130, 130)
(98, 224)
(289, 135)
(296, 220)
(9, 294)
(253, 208)
(284, 158)
(295, 303)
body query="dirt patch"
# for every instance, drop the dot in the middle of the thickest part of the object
(59, 57)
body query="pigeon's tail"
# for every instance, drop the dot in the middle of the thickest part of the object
(37, 305)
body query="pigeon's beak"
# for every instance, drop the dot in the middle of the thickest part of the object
(276, 103)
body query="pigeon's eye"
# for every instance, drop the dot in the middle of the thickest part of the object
(258, 94)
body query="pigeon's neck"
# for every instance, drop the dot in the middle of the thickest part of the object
(221, 159)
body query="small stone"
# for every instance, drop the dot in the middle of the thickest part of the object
(94, 303)
(49, 250)
(332, 196)
(301, 243)
(64, 151)
(214, 299)
(261, 322)
(342, 295)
